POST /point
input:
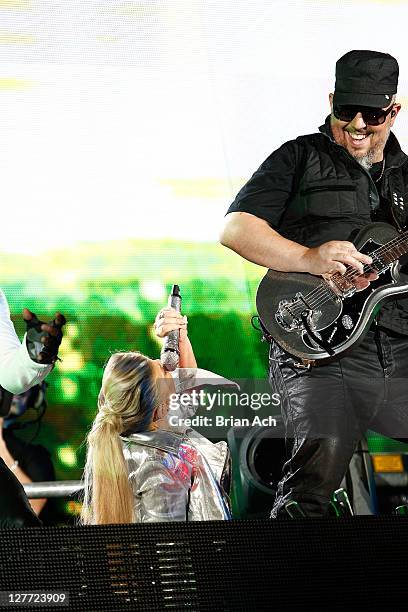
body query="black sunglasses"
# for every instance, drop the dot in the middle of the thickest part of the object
(371, 116)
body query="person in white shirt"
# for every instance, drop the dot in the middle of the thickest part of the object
(22, 365)
(25, 364)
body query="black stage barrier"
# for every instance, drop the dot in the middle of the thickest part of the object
(318, 564)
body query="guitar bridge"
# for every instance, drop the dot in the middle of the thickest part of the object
(290, 312)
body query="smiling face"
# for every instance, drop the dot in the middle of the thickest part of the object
(364, 142)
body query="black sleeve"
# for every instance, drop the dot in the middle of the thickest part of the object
(36, 463)
(33, 459)
(267, 192)
(15, 510)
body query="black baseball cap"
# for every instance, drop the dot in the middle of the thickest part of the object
(366, 78)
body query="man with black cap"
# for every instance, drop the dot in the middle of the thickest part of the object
(298, 213)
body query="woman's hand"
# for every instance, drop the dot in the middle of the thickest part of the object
(167, 320)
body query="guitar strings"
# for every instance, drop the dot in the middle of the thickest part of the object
(319, 292)
(321, 295)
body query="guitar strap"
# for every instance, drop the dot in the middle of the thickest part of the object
(396, 193)
(319, 341)
(305, 363)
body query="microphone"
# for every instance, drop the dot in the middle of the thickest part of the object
(170, 354)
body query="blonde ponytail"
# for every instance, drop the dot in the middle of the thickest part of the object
(127, 399)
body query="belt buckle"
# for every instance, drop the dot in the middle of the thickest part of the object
(305, 364)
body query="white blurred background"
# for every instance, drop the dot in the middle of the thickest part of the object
(130, 119)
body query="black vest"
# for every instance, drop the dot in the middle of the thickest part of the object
(334, 196)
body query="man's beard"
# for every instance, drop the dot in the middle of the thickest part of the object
(368, 159)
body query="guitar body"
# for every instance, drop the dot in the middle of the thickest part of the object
(334, 322)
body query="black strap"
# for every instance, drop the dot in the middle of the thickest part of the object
(189, 494)
(265, 334)
(377, 339)
(319, 341)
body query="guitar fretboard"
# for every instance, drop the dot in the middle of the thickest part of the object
(389, 252)
(382, 257)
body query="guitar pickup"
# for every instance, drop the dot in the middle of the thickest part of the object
(378, 265)
(341, 285)
(301, 299)
(286, 319)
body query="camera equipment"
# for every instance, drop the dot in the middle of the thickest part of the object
(34, 399)
(5, 401)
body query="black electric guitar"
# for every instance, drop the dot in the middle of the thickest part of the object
(313, 318)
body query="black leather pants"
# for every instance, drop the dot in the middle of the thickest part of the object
(327, 409)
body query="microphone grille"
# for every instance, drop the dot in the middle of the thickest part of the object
(170, 360)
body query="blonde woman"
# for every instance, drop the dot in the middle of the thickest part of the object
(139, 468)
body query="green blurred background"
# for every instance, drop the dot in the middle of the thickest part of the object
(110, 293)
(126, 129)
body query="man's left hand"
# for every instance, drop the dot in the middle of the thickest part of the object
(43, 339)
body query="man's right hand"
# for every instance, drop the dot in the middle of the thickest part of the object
(334, 256)
(252, 238)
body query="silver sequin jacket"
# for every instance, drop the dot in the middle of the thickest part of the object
(178, 474)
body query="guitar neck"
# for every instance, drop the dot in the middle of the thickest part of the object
(390, 251)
